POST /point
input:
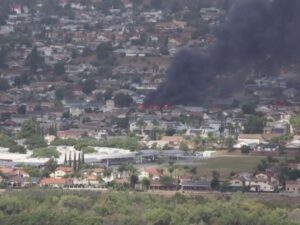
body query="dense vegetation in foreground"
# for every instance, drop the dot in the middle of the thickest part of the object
(55, 207)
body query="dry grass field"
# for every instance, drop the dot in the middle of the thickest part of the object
(225, 165)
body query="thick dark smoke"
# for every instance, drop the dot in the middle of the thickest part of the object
(260, 33)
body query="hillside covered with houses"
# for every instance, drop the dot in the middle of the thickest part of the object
(73, 79)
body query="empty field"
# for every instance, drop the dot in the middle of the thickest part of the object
(225, 165)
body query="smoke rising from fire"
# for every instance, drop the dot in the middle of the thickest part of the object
(260, 33)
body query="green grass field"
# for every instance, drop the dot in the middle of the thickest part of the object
(225, 165)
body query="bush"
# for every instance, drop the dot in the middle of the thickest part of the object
(74, 202)
(87, 150)
(67, 142)
(35, 141)
(17, 149)
(245, 149)
(55, 207)
(125, 143)
(45, 153)
(254, 124)
(6, 141)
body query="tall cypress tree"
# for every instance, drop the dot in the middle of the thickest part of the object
(65, 161)
(79, 162)
(82, 159)
(70, 160)
(74, 163)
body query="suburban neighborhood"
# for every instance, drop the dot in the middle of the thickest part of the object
(149, 112)
(74, 76)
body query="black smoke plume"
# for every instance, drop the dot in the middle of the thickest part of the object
(259, 33)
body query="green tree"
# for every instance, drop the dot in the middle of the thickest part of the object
(122, 123)
(249, 108)
(48, 152)
(133, 180)
(295, 121)
(167, 181)
(262, 166)
(66, 115)
(123, 100)
(230, 143)
(21, 109)
(153, 134)
(183, 146)
(88, 86)
(82, 159)
(35, 141)
(34, 60)
(70, 160)
(6, 141)
(79, 162)
(145, 183)
(21, 80)
(107, 172)
(254, 124)
(65, 160)
(59, 68)
(104, 51)
(49, 167)
(74, 202)
(29, 127)
(215, 183)
(17, 149)
(158, 216)
(4, 85)
(170, 131)
(74, 162)
(245, 149)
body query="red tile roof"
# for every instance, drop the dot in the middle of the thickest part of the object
(153, 171)
(65, 169)
(46, 181)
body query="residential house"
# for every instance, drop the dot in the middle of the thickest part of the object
(93, 172)
(151, 173)
(257, 185)
(294, 166)
(77, 183)
(292, 186)
(248, 139)
(196, 185)
(174, 141)
(269, 147)
(92, 180)
(62, 171)
(240, 180)
(294, 144)
(156, 144)
(73, 134)
(267, 176)
(157, 185)
(53, 182)
(264, 182)
(210, 14)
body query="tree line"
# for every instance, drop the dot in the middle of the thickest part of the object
(57, 207)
